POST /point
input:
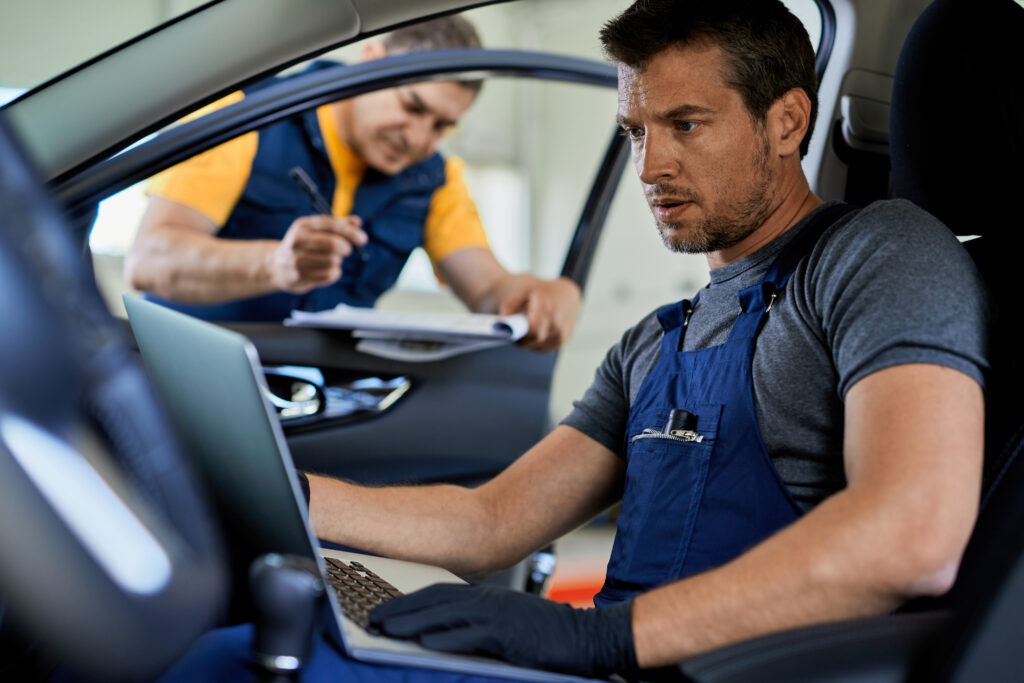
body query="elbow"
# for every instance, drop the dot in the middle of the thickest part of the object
(889, 562)
(132, 272)
(933, 583)
(136, 273)
(146, 269)
(931, 561)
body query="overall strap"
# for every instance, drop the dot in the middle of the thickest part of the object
(756, 301)
(674, 315)
(760, 296)
(781, 270)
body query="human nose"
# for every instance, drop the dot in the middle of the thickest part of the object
(655, 160)
(420, 135)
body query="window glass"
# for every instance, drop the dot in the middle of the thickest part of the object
(808, 12)
(529, 148)
(8, 94)
(529, 183)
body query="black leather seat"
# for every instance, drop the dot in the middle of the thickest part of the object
(957, 149)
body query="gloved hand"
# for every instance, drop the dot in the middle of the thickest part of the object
(521, 628)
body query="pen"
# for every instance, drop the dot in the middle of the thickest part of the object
(320, 205)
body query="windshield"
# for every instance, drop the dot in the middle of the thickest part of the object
(41, 39)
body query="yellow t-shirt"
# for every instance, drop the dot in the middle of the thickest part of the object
(213, 182)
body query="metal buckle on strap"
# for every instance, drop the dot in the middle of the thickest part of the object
(771, 302)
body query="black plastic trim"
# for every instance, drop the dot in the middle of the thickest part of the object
(595, 210)
(828, 37)
(878, 649)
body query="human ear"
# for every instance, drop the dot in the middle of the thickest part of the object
(372, 50)
(788, 119)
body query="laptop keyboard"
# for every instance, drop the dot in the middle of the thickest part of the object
(358, 589)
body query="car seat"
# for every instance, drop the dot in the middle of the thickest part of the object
(964, 56)
(956, 142)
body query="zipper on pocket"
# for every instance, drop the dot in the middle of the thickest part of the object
(684, 435)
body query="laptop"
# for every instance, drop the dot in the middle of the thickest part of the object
(212, 384)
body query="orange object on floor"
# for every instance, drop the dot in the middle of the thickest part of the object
(577, 591)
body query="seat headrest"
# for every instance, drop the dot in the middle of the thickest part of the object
(956, 134)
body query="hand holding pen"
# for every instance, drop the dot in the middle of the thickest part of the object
(320, 204)
(311, 252)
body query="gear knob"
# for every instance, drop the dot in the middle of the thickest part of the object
(286, 592)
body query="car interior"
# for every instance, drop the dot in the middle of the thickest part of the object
(888, 71)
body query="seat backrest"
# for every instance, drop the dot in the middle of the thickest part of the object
(957, 149)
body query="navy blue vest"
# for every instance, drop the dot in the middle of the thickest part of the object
(700, 487)
(393, 209)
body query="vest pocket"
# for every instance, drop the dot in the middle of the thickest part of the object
(664, 490)
(397, 233)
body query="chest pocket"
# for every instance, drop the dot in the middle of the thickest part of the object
(267, 208)
(272, 190)
(399, 227)
(665, 483)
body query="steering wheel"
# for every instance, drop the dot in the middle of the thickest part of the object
(110, 557)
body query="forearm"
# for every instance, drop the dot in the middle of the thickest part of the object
(196, 268)
(557, 485)
(504, 288)
(489, 298)
(482, 283)
(444, 525)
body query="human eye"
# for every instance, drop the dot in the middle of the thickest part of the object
(686, 126)
(632, 133)
(410, 103)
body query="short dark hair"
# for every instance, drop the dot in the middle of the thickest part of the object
(767, 49)
(449, 32)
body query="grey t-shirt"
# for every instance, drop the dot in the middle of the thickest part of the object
(885, 286)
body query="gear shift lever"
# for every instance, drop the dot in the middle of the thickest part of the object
(286, 591)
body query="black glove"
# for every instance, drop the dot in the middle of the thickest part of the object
(521, 628)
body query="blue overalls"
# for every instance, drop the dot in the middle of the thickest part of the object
(393, 210)
(702, 490)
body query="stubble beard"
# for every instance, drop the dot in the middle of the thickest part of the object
(724, 229)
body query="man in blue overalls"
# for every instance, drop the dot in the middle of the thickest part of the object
(799, 443)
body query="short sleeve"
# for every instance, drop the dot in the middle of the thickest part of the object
(213, 181)
(452, 220)
(897, 288)
(603, 411)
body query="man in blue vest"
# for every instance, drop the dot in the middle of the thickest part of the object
(799, 443)
(228, 235)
